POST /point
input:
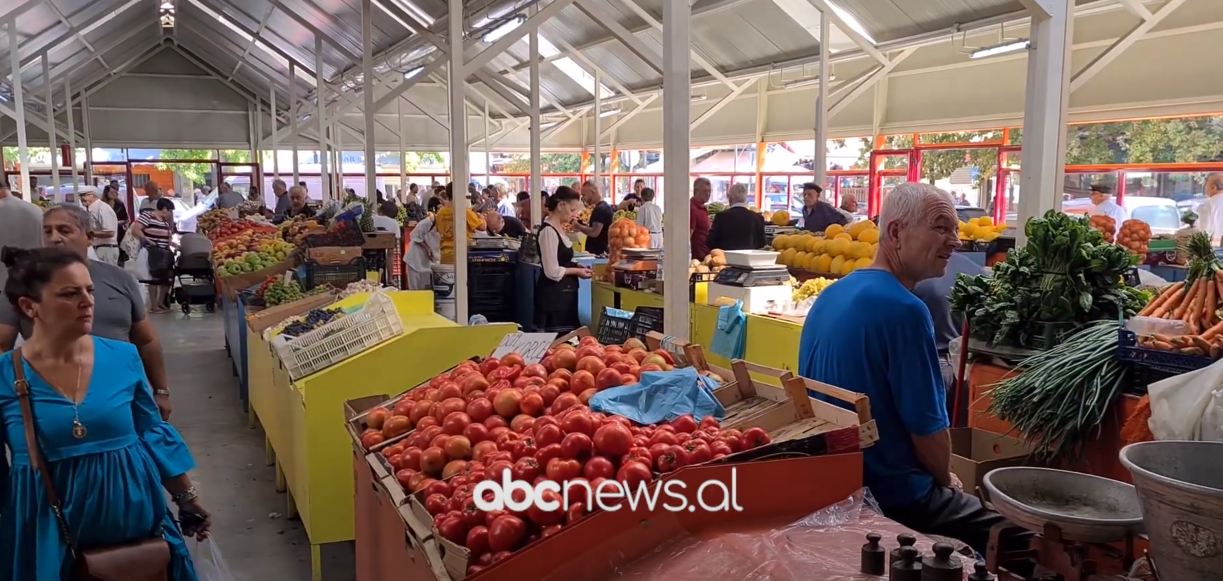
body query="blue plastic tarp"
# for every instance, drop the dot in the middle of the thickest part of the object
(662, 396)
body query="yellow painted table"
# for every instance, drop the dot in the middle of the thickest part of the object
(772, 342)
(305, 425)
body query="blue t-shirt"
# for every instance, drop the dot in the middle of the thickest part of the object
(869, 334)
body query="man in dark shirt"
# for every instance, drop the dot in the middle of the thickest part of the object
(698, 218)
(818, 215)
(936, 293)
(738, 227)
(601, 216)
(282, 201)
(498, 225)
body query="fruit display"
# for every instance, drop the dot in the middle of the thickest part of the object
(779, 218)
(228, 228)
(1106, 225)
(715, 208)
(295, 230)
(1135, 235)
(811, 287)
(981, 229)
(211, 219)
(342, 233)
(839, 251)
(278, 292)
(502, 417)
(250, 251)
(625, 215)
(313, 319)
(412, 213)
(714, 262)
(361, 286)
(624, 233)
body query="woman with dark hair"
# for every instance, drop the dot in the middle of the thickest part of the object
(155, 230)
(91, 478)
(110, 195)
(556, 290)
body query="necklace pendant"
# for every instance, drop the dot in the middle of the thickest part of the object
(78, 431)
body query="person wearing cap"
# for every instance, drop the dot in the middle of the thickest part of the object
(1102, 197)
(818, 215)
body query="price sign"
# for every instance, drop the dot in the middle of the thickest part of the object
(531, 346)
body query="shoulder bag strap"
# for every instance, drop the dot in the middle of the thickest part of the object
(22, 387)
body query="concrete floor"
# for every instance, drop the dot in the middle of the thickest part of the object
(258, 543)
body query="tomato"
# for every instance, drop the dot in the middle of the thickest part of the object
(451, 389)
(562, 469)
(598, 467)
(512, 359)
(613, 439)
(454, 468)
(492, 515)
(576, 445)
(684, 423)
(532, 404)
(471, 515)
(479, 410)
(458, 447)
(488, 365)
(496, 470)
(720, 447)
(754, 438)
(547, 453)
(731, 442)
(526, 470)
(543, 517)
(575, 512)
(524, 448)
(521, 423)
(549, 531)
(698, 452)
(452, 529)
(547, 434)
(633, 475)
(432, 461)
(440, 487)
(563, 402)
(505, 533)
(500, 556)
(430, 432)
(578, 422)
(482, 449)
(475, 569)
(435, 504)
(708, 422)
(371, 438)
(638, 455)
(663, 437)
(439, 441)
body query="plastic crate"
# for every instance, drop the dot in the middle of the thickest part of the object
(336, 275)
(375, 323)
(1129, 351)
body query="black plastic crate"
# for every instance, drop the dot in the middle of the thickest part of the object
(1176, 363)
(1138, 377)
(339, 275)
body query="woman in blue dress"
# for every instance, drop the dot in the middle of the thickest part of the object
(109, 453)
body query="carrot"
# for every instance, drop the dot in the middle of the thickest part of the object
(1179, 313)
(1161, 299)
(1171, 304)
(1192, 314)
(1210, 303)
(1210, 333)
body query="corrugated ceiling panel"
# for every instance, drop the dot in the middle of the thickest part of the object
(748, 34)
(622, 64)
(892, 19)
(573, 27)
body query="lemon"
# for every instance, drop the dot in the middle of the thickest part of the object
(985, 221)
(856, 229)
(848, 267)
(838, 247)
(813, 244)
(844, 236)
(780, 218)
(781, 242)
(823, 263)
(974, 221)
(800, 259)
(833, 230)
(862, 263)
(874, 249)
(787, 256)
(869, 235)
(837, 265)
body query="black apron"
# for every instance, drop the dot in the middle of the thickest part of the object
(556, 301)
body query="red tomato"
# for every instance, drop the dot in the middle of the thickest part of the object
(505, 533)
(500, 556)
(475, 433)
(576, 511)
(477, 540)
(710, 422)
(543, 517)
(496, 469)
(633, 475)
(547, 434)
(492, 515)
(547, 453)
(720, 447)
(472, 516)
(563, 402)
(562, 469)
(452, 529)
(598, 467)
(488, 365)
(577, 445)
(524, 448)
(613, 439)
(440, 487)
(549, 531)
(479, 410)
(754, 438)
(698, 452)
(526, 470)
(636, 454)
(684, 423)
(513, 359)
(435, 504)
(532, 404)
(578, 422)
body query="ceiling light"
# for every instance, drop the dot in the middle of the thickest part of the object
(412, 73)
(807, 82)
(609, 113)
(696, 98)
(505, 28)
(1011, 46)
(167, 6)
(547, 125)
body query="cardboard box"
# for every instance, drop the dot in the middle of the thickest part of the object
(976, 452)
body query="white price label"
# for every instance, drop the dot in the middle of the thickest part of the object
(531, 346)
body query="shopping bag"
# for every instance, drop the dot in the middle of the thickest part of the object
(130, 244)
(160, 262)
(139, 266)
(1179, 403)
(209, 564)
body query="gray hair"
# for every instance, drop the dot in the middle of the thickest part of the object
(701, 182)
(278, 182)
(905, 203)
(297, 190)
(847, 198)
(737, 194)
(77, 213)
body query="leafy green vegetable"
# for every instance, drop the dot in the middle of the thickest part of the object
(1066, 274)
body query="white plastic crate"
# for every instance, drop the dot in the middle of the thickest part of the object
(376, 322)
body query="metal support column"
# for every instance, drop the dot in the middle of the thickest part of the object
(320, 99)
(88, 140)
(367, 91)
(488, 156)
(275, 136)
(598, 153)
(76, 185)
(403, 153)
(537, 182)
(49, 101)
(676, 101)
(293, 117)
(1044, 113)
(23, 151)
(820, 161)
(459, 169)
(337, 135)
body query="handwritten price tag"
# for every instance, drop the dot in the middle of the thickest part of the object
(531, 346)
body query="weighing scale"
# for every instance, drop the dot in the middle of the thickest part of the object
(637, 269)
(761, 289)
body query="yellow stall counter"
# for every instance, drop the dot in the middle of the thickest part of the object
(307, 429)
(772, 342)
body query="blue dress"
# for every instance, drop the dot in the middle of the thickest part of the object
(109, 482)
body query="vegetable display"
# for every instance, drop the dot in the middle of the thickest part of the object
(811, 287)
(1106, 226)
(1059, 397)
(624, 233)
(1066, 276)
(1194, 302)
(482, 421)
(1135, 236)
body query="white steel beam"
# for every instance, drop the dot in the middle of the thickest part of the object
(88, 141)
(50, 108)
(879, 73)
(862, 42)
(578, 114)
(459, 168)
(713, 110)
(367, 79)
(1121, 45)
(1044, 114)
(403, 154)
(18, 10)
(275, 114)
(645, 15)
(320, 115)
(1137, 8)
(478, 60)
(598, 122)
(762, 108)
(494, 84)
(18, 112)
(627, 115)
(819, 161)
(263, 22)
(879, 115)
(395, 92)
(562, 44)
(207, 8)
(1039, 8)
(312, 28)
(292, 92)
(677, 140)
(536, 184)
(76, 187)
(609, 23)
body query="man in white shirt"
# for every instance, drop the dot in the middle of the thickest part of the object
(20, 224)
(649, 215)
(105, 228)
(1102, 197)
(386, 219)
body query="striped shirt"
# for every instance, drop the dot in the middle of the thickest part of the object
(155, 230)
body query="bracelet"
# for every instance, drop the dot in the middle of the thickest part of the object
(165, 392)
(185, 496)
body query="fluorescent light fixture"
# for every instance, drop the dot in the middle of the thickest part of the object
(1011, 46)
(609, 113)
(412, 73)
(807, 82)
(570, 68)
(505, 28)
(167, 6)
(414, 11)
(851, 22)
(696, 98)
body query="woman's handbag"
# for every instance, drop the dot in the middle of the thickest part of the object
(161, 263)
(147, 560)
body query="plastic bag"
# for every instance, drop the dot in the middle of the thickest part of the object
(1179, 403)
(209, 564)
(139, 265)
(1151, 326)
(1212, 418)
(662, 396)
(730, 336)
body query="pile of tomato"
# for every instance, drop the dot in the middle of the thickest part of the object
(479, 421)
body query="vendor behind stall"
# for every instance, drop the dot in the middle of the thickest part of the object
(936, 293)
(868, 333)
(737, 227)
(498, 224)
(818, 215)
(556, 289)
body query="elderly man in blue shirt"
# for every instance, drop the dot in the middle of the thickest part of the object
(869, 333)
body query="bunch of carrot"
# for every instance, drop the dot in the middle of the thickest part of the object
(1196, 304)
